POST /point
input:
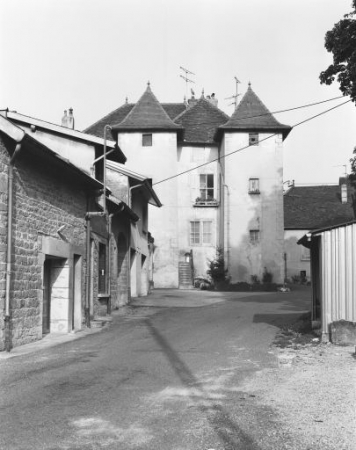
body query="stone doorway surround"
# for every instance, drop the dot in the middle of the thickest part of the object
(65, 283)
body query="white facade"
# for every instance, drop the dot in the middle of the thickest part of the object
(253, 180)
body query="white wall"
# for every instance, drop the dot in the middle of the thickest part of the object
(188, 188)
(263, 212)
(159, 162)
(298, 257)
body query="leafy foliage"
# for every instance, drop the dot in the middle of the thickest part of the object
(216, 270)
(341, 42)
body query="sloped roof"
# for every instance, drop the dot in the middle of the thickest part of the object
(147, 114)
(252, 114)
(119, 114)
(313, 207)
(200, 121)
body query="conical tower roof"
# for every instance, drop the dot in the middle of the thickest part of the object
(147, 114)
(252, 115)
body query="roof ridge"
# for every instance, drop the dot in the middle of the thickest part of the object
(107, 115)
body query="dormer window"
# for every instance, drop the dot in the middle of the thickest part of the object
(253, 139)
(147, 140)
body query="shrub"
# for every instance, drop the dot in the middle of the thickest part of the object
(267, 277)
(216, 268)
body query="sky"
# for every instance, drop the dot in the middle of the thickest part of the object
(92, 54)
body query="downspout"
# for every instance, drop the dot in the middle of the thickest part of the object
(8, 344)
(109, 263)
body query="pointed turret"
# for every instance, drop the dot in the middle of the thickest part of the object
(252, 115)
(147, 114)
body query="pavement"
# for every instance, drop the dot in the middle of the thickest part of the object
(158, 298)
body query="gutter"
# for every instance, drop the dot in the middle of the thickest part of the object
(10, 208)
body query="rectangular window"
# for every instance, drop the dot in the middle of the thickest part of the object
(147, 140)
(254, 186)
(305, 256)
(201, 232)
(195, 232)
(206, 187)
(102, 280)
(253, 139)
(254, 236)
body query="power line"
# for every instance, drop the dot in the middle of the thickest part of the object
(307, 105)
(247, 146)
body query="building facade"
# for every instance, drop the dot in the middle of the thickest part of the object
(308, 208)
(219, 179)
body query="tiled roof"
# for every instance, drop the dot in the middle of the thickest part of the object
(119, 114)
(200, 122)
(174, 109)
(252, 114)
(113, 118)
(312, 207)
(147, 114)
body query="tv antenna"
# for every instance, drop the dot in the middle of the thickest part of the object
(236, 96)
(186, 79)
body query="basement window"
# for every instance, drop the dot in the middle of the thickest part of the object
(147, 140)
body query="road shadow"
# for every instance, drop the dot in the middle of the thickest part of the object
(230, 434)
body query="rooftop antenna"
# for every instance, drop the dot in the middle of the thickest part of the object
(186, 79)
(345, 168)
(236, 96)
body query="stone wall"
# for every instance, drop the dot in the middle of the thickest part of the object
(44, 200)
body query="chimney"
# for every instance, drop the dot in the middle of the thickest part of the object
(212, 99)
(71, 119)
(343, 188)
(68, 121)
(64, 119)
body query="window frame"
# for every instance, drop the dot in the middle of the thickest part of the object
(147, 140)
(253, 189)
(253, 138)
(255, 237)
(198, 236)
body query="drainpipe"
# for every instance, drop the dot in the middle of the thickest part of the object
(227, 225)
(109, 264)
(8, 345)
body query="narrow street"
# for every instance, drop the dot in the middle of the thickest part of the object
(168, 378)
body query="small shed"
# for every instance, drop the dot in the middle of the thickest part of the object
(333, 274)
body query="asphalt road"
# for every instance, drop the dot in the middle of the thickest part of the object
(157, 378)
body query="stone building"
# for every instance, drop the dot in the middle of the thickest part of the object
(43, 203)
(219, 179)
(65, 240)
